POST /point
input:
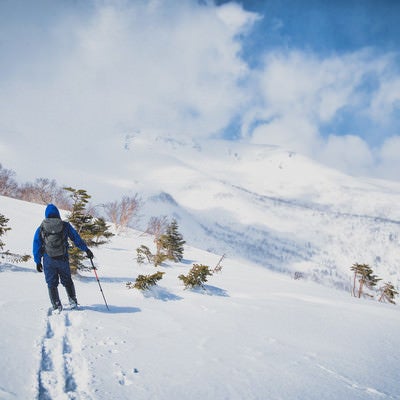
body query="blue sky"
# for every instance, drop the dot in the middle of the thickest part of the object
(320, 78)
(325, 26)
(332, 32)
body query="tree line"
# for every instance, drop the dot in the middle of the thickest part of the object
(87, 218)
(121, 213)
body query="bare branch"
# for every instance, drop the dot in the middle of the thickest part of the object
(121, 213)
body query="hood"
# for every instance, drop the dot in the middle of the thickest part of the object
(52, 211)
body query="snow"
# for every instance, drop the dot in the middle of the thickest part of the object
(252, 334)
(266, 204)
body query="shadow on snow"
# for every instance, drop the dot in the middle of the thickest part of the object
(211, 291)
(113, 309)
(13, 268)
(160, 293)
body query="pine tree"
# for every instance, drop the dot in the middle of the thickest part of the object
(159, 258)
(365, 276)
(139, 256)
(388, 293)
(3, 228)
(10, 257)
(101, 232)
(144, 282)
(94, 231)
(172, 241)
(142, 253)
(196, 277)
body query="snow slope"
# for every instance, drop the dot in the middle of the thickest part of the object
(252, 334)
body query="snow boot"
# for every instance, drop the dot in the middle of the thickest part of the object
(55, 299)
(73, 302)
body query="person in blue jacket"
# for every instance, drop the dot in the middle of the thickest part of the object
(50, 243)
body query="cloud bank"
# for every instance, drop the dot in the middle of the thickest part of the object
(78, 77)
(342, 110)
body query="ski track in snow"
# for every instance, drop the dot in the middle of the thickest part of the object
(354, 385)
(5, 395)
(63, 372)
(329, 372)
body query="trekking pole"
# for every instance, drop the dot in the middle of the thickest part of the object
(97, 278)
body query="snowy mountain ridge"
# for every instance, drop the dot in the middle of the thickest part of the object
(267, 204)
(262, 203)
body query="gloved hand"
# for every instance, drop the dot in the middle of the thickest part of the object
(89, 253)
(39, 267)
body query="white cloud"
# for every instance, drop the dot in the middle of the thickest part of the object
(298, 92)
(303, 83)
(148, 64)
(390, 149)
(238, 20)
(157, 69)
(301, 93)
(347, 153)
(389, 159)
(293, 132)
(163, 66)
(387, 99)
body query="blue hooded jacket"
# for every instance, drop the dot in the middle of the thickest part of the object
(38, 248)
(52, 211)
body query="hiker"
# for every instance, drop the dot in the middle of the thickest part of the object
(51, 243)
